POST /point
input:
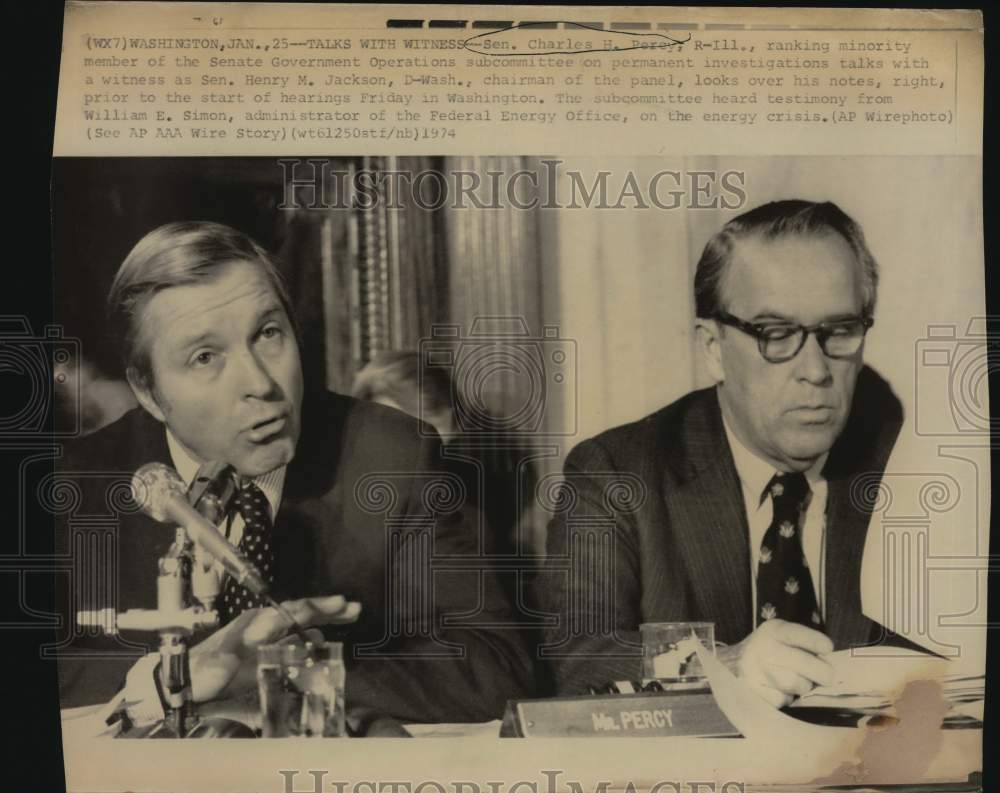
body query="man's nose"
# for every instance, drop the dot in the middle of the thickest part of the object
(254, 378)
(812, 364)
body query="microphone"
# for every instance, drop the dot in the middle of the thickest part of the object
(161, 493)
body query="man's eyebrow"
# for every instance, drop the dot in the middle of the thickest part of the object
(841, 317)
(766, 315)
(270, 311)
(186, 343)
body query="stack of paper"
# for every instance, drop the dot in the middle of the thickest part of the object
(872, 684)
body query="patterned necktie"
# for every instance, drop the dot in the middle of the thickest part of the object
(256, 547)
(784, 584)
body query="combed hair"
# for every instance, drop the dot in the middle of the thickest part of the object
(776, 219)
(177, 254)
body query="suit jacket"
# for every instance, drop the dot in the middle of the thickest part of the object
(653, 528)
(364, 508)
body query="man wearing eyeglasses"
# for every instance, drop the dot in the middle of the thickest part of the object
(746, 516)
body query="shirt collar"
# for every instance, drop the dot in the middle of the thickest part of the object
(755, 474)
(271, 484)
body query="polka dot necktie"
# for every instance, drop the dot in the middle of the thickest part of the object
(784, 584)
(256, 547)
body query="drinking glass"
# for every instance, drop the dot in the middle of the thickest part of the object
(668, 653)
(301, 690)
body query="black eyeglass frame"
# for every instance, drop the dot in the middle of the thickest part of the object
(823, 332)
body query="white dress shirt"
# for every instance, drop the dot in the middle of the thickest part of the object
(755, 474)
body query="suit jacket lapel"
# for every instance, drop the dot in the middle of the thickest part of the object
(845, 540)
(705, 501)
(862, 450)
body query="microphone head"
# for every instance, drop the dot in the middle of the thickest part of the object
(153, 486)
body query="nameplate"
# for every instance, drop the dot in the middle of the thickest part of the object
(646, 714)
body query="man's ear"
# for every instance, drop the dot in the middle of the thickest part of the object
(144, 393)
(708, 341)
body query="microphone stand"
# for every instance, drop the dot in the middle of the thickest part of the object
(173, 591)
(175, 619)
(186, 590)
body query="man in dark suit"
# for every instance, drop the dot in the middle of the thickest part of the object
(343, 505)
(746, 503)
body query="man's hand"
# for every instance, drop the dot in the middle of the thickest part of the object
(225, 663)
(780, 660)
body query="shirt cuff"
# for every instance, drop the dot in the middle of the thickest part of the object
(143, 702)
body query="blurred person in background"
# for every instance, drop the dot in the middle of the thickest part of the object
(497, 471)
(84, 394)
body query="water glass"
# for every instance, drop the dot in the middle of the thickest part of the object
(301, 690)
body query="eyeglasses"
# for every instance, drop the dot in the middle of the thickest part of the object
(781, 341)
